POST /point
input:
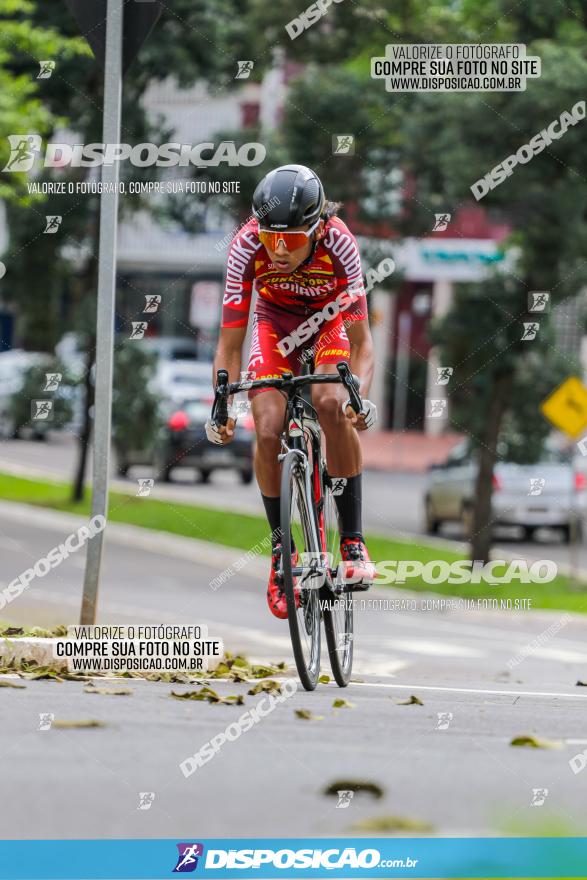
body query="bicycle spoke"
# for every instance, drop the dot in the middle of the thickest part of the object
(338, 618)
(299, 531)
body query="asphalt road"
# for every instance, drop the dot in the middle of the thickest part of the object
(392, 502)
(465, 779)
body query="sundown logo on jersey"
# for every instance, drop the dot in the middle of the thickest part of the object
(296, 278)
(331, 351)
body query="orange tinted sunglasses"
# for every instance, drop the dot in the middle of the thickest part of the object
(291, 240)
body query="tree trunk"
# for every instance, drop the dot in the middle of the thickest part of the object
(89, 289)
(77, 493)
(481, 523)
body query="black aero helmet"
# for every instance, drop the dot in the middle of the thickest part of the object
(291, 195)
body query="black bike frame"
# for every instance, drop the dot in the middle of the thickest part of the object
(297, 422)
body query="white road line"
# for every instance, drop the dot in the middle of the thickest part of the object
(434, 649)
(428, 687)
(419, 687)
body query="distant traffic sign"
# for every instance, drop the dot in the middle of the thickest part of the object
(139, 19)
(566, 407)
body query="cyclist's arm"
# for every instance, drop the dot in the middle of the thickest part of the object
(361, 360)
(240, 276)
(228, 357)
(229, 351)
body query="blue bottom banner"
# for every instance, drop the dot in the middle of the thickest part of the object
(487, 857)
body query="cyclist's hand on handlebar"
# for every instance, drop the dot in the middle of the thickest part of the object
(363, 420)
(220, 434)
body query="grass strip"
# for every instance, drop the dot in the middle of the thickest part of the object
(245, 531)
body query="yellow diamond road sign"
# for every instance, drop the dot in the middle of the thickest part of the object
(566, 407)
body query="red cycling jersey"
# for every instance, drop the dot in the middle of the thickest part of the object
(287, 320)
(334, 266)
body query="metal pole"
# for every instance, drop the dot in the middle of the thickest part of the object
(106, 304)
(402, 364)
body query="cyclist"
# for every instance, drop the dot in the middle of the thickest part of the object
(304, 264)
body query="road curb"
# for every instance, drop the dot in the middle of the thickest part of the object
(30, 648)
(227, 560)
(218, 556)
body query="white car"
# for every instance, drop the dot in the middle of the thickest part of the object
(550, 493)
(176, 380)
(13, 367)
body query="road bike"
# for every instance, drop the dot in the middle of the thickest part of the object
(313, 573)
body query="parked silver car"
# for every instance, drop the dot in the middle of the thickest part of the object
(551, 493)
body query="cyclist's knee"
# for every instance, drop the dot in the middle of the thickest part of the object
(268, 433)
(328, 407)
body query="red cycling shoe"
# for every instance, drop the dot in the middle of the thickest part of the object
(276, 598)
(358, 570)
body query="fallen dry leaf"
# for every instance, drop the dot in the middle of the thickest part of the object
(268, 685)
(210, 696)
(109, 692)
(392, 823)
(412, 700)
(67, 725)
(306, 715)
(535, 742)
(356, 785)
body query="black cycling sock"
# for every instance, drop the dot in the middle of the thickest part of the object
(273, 511)
(349, 504)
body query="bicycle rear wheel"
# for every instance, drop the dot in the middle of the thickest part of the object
(297, 523)
(338, 607)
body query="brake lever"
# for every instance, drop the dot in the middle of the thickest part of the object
(350, 383)
(219, 413)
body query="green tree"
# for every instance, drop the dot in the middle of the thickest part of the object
(454, 141)
(135, 408)
(193, 41)
(442, 144)
(23, 45)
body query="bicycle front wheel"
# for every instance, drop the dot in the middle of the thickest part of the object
(338, 608)
(299, 531)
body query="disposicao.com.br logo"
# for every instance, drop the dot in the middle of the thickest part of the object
(25, 148)
(188, 855)
(329, 859)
